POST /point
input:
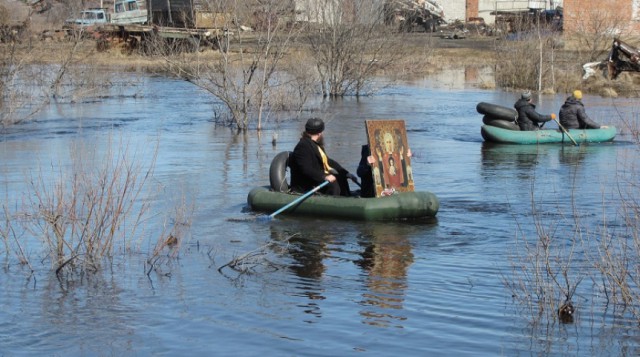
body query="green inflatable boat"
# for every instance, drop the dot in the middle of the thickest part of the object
(401, 205)
(275, 198)
(497, 134)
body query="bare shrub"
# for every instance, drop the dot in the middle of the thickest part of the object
(545, 271)
(350, 45)
(11, 237)
(245, 75)
(596, 27)
(33, 76)
(91, 211)
(20, 91)
(4, 15)
(259, 259)
(567, 250)
(528, 61)
(174, 231)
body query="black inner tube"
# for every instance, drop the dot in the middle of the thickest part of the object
(278, 172)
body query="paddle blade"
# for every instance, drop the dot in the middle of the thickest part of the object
(261, 218)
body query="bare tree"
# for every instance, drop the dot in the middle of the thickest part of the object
(528, 58)
(350, 44)
(596, 26)
(32, 73)
(90, 211)
(246, 75)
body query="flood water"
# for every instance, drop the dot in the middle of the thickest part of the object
(321, 287)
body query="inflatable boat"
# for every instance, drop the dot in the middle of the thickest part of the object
(398, 206)
(500, 127)
(497, 134)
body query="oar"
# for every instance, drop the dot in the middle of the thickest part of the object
(566, 132)
(293, 203)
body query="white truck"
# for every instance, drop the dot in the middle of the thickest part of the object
(124, 12)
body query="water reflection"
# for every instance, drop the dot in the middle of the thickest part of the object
(382, 252)
(441, 284)
(526, 157)
(386, 258)
(307, 252)
(523, 158)
(572, 156)
(93, 309)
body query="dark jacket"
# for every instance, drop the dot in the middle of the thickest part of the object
(528, 118)
(573, 116)
(366, 174)
(307, 170)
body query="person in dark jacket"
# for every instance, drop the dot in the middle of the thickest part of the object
(573, 116)
(528, 118)
(367, 188)
(310, 165)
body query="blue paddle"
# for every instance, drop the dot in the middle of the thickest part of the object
(294, 202)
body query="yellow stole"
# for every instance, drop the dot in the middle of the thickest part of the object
(325, 161)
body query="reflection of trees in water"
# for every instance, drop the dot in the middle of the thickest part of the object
(526, 157)
(92, 306)
(308, 253)
(497, 156)
(572, 156)
(386, 259)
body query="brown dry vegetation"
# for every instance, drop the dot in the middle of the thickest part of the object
(516, 63)
(425, 54)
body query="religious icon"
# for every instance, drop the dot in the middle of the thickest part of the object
(390, 151)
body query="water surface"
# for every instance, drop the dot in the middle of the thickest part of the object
(323, 287)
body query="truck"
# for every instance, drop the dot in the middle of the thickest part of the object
(404, 14)
(124, 12)
(161, 24)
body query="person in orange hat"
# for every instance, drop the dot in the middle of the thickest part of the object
(573, 116)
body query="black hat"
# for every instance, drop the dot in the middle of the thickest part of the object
(314, 126)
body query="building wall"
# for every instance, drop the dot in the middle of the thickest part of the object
(472, 9)
(486, 7)
(617, 17)
(454, 9)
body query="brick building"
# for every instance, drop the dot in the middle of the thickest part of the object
(619, 17)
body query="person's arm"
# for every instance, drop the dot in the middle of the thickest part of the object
(335, 165)
(588, 123)
(537, 117)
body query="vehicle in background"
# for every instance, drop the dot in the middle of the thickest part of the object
(128, 12)
(124, 12)
(88, 18)
(622, 58)
(407, 14)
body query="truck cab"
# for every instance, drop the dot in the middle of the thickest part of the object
(127, 12)
(124, 12)
(88, 18)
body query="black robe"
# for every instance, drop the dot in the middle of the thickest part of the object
(307, 170)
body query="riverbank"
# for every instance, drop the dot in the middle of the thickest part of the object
(423, 54)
